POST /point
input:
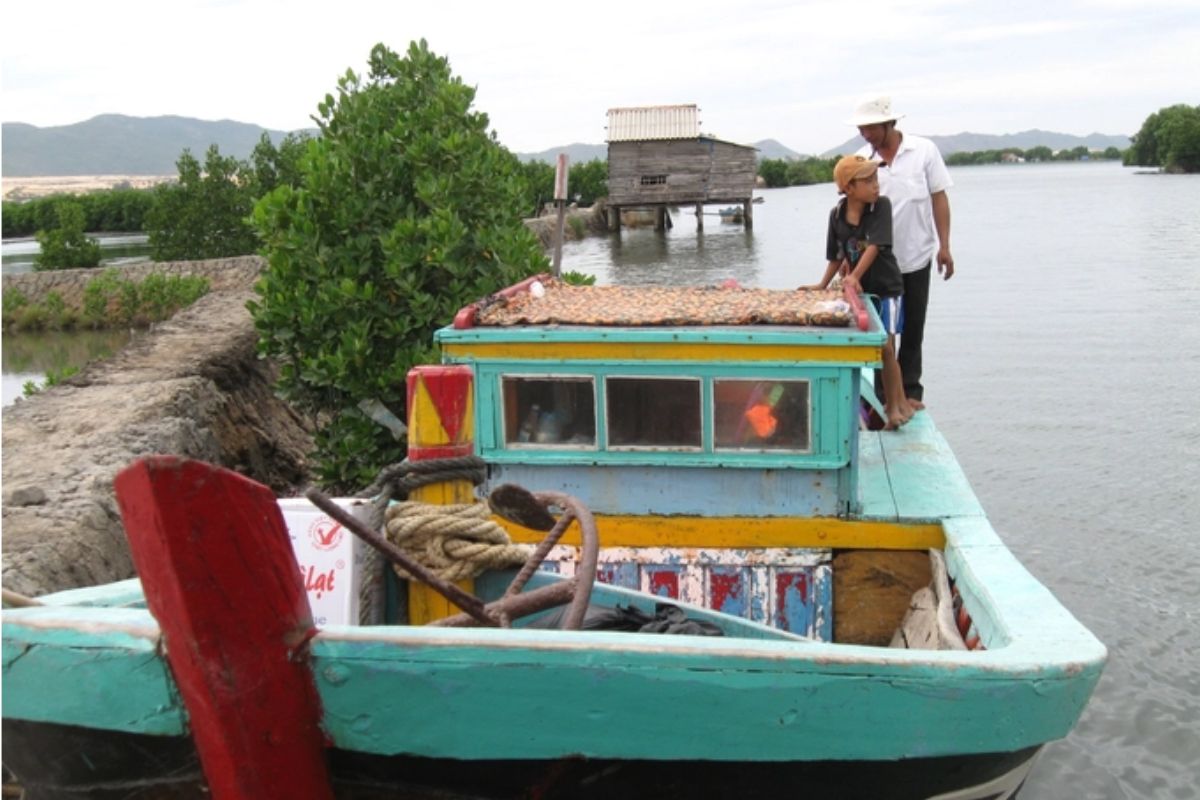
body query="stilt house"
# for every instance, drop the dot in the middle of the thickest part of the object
(658, 157)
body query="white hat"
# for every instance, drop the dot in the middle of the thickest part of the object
(874, 110)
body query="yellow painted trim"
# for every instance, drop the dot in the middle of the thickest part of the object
(660, 351)
(742, 532)
(425, 605)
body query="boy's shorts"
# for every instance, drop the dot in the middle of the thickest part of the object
(891, 313)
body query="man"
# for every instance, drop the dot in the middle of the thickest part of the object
(914, 177)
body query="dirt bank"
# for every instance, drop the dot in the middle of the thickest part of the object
(193, 387)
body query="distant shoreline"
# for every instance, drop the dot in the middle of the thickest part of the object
(30, 188)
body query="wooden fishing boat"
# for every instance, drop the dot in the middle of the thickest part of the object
(732, 214)
(710, 438)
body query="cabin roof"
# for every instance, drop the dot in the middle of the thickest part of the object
(644, 123)
(633, 306)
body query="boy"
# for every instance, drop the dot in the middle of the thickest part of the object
(860, 237)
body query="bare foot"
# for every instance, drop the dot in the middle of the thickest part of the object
(894, 420)
(917, 405)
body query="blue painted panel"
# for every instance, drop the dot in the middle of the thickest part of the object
(730, 590)
(681, 490)
(624, 575)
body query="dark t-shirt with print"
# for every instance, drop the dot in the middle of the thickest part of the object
(846, 241)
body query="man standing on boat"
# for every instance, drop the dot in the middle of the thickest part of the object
(914, 177)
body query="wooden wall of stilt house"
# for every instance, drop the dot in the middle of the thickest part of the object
(680, 171)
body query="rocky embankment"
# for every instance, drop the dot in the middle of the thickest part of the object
(194, 387)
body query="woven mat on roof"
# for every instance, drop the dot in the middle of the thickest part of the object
(565, 304)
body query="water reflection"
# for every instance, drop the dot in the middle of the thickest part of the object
(17, 255)
(31, 356)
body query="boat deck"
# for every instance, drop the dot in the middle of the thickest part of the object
(912, 475)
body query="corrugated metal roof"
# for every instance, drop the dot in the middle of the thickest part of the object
(644, 123)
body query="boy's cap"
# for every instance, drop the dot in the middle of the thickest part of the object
(873, 111)
(849, 168)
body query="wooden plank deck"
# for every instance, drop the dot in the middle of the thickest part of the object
(912, 475)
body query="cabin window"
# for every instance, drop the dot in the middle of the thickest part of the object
(653, 412)
(546, 411)
(761, 415)
(654, 180)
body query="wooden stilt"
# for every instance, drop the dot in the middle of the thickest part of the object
(748, 212)
(219, 575)
(699, 216)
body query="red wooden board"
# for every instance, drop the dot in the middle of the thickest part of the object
(220, 577)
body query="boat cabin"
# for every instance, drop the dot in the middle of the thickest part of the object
(709, 429)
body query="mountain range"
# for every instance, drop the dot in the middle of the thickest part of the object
(114, 144)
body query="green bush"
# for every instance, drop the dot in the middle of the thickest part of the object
(777, 172)
(13, 300)
(117, 210)
(578, 278)
(206, 214)
(97, 295)
(30, 318)
(53, 378)
(108, 298)
(406, 209)
(65, 246)
(1169, 138)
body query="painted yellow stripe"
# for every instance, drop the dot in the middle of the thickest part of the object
(660, 351)
(741, 532)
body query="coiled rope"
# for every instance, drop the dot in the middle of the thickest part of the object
(455, 542)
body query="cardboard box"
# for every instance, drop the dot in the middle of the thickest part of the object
(339, 570)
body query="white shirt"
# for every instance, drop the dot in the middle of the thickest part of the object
(914, 175)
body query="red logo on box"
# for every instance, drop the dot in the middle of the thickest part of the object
(326, 534)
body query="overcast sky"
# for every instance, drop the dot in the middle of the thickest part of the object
(546, 73)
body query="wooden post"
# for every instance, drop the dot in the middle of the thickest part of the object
(659, 213)
(614, 218)
(699, 216)
(219, 575)
(560, 200)
(748, 212)
(441, 424)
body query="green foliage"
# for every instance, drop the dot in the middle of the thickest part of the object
(1039, 153)
(578, 278)
(53, 378)
(13, 300)
(98, 294)
(778, 172)
(1169, 138)
(113, 211)
(538, 179)
(406, 209)
(578, 227)
(270, 166)
(65, 246)
(586, 183)
(109, 299)
(205, 214)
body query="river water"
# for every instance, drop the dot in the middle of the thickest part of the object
(1061, 364)
(17, 255)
